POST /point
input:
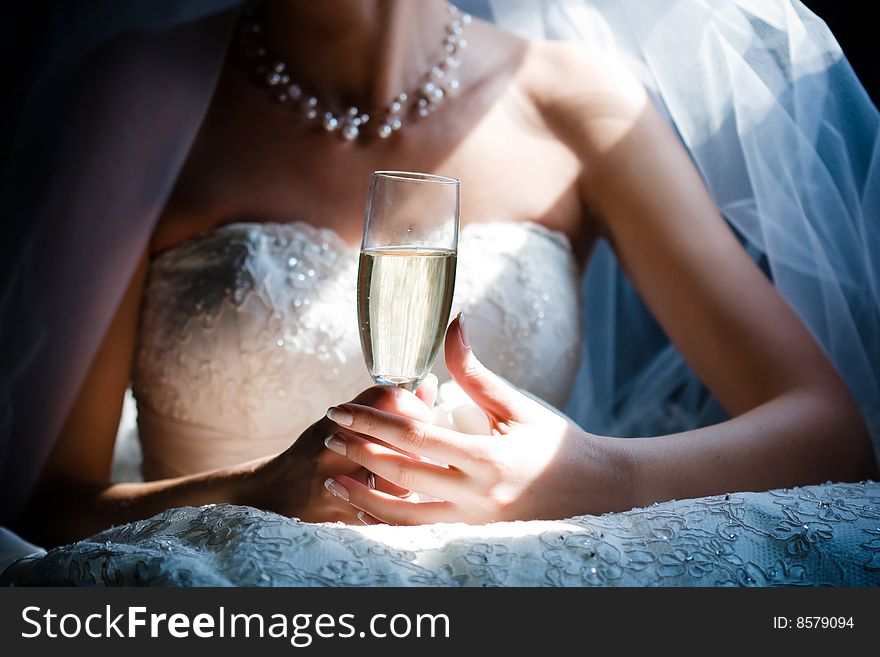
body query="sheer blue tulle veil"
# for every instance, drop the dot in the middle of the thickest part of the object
(109, 96)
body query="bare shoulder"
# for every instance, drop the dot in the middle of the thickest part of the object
(579, 94)
(587, 97)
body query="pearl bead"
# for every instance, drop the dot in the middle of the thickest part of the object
(437, 83)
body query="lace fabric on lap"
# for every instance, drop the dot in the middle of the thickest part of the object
(815, 535)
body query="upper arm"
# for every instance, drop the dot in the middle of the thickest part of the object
(83, 450)
(717, 307)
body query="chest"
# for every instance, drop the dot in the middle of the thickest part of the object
(255, 161)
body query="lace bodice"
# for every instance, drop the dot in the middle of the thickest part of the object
(249, 332)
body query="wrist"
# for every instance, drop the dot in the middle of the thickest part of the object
(606, 477)
(280, 484)
(654, 477)
(624, 481)
(247, 485)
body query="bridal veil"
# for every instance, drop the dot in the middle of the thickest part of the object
(108, 97)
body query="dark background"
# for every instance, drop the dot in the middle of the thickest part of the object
(849, 20)
(851, 23)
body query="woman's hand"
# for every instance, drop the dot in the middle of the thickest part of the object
(534, 464)
(292, 483)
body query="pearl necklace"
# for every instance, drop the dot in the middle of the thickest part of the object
(438, 83)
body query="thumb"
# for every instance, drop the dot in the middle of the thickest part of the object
(497, 399)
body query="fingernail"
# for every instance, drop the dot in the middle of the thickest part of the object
(335, 444)
(340, 416)
(336, 488)
(364, 518)
(462, 331)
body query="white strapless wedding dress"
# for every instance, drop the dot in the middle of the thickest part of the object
(249, 333)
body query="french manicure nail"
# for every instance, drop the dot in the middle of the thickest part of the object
(336, 488)
(364, 518)
(340, 416)
(462, 331)
(335, 444)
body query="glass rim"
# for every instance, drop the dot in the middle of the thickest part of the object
(415, 176)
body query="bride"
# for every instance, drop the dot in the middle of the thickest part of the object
(236, 330)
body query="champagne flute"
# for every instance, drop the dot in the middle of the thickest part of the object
(406, 274)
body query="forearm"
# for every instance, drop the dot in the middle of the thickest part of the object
(62, 512)
(800, 438)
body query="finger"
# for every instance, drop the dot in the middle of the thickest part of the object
(387, 398)
(363, 476)
(395, 400)
(387, 508)
(409, 435)
(400, 401)
(409, 474)
(367, 519)
(427, 390)
(391, 488)
(496, 398)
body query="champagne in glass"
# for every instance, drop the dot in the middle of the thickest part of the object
(406, 276)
